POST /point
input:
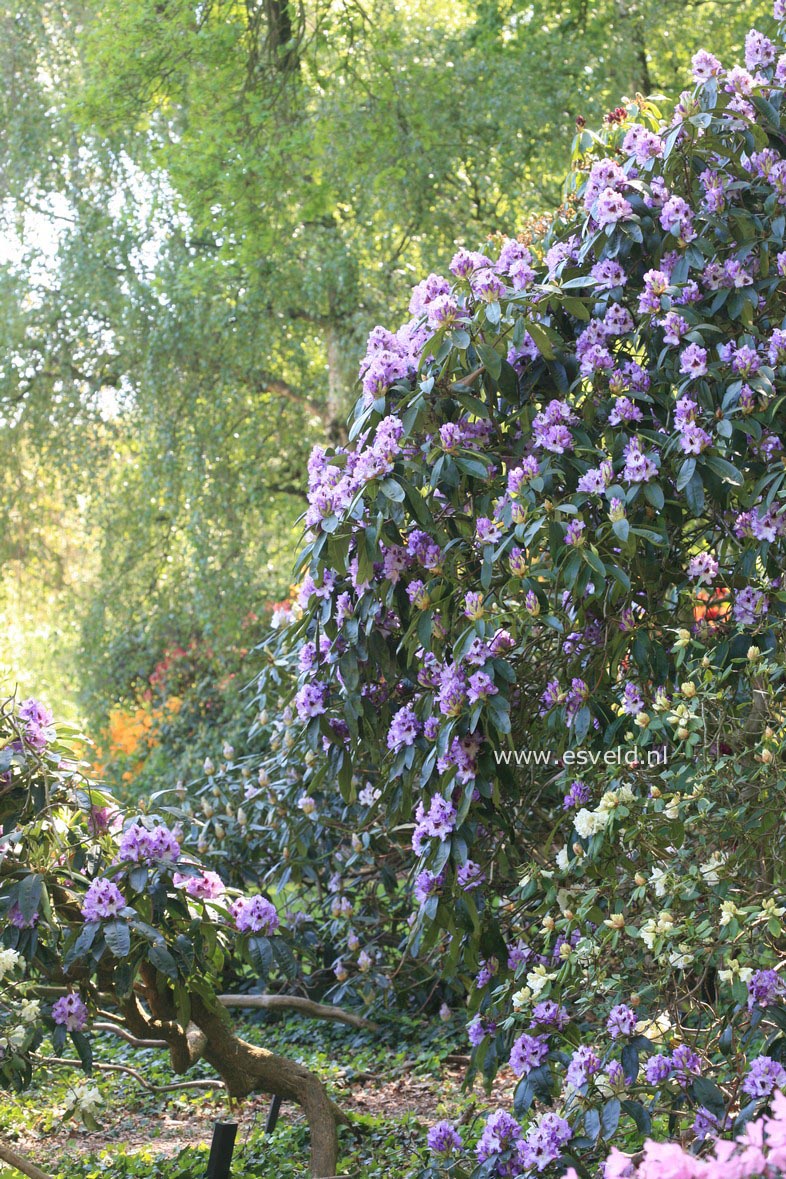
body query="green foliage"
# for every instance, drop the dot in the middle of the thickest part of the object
(211, 209)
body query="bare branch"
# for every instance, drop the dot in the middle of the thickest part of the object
(64, 1061)
(18, 1162)
(134, 1041)
(298, 1003)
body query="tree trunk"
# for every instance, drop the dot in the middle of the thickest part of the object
(341, 382)
(246, 1069)
(243, 1067)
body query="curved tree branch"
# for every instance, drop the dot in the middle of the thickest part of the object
(298, 1003)
(18, 1162)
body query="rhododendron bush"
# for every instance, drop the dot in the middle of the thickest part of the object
(111, 911)
(541, 632)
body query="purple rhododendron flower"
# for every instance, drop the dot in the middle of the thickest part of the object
(544, 1142)
(749, 606)
(579, 794)
(764, 1075)
(404, 728)
(500, 1133)
(657, 1069)
(548, 1013)
(103, 899)
(311, 700)
(765, 987)
(527, 1053)
(204, 887)
(39, 723)
(254, 915)
(16, 917)
(584, 1063)
(470, 875)
(478, 1028)
(70, 1012)
(621, 1021)
(443, 1138)
(138, 843)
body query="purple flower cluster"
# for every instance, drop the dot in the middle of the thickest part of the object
(544, 1142)
(479, 1028)
(404, 728)
(765, 988)
(103, 899)
(639, 467)
(549, 1014)
(683, 1064)
(311, 700)
(206, 886)
(621, 1021)
(254, 915)
(427, 884)
(16, 917)
(38, 723)
(435, 823)
(579, 794)
(470, 875)
(527, 1053)
(584, 1063)
(444, 1139)
(764, 1076)
(501, 1134)
(139, 843)
(703, 568)
(749, 606)
(550, 428)
(70, 1012)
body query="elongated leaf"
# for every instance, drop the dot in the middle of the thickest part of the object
(118, 938)
(610, 1118)
(490, 359)
(159, 956)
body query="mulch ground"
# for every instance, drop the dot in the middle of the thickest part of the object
(178, 1122)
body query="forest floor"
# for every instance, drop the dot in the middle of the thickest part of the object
(392, 1086)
